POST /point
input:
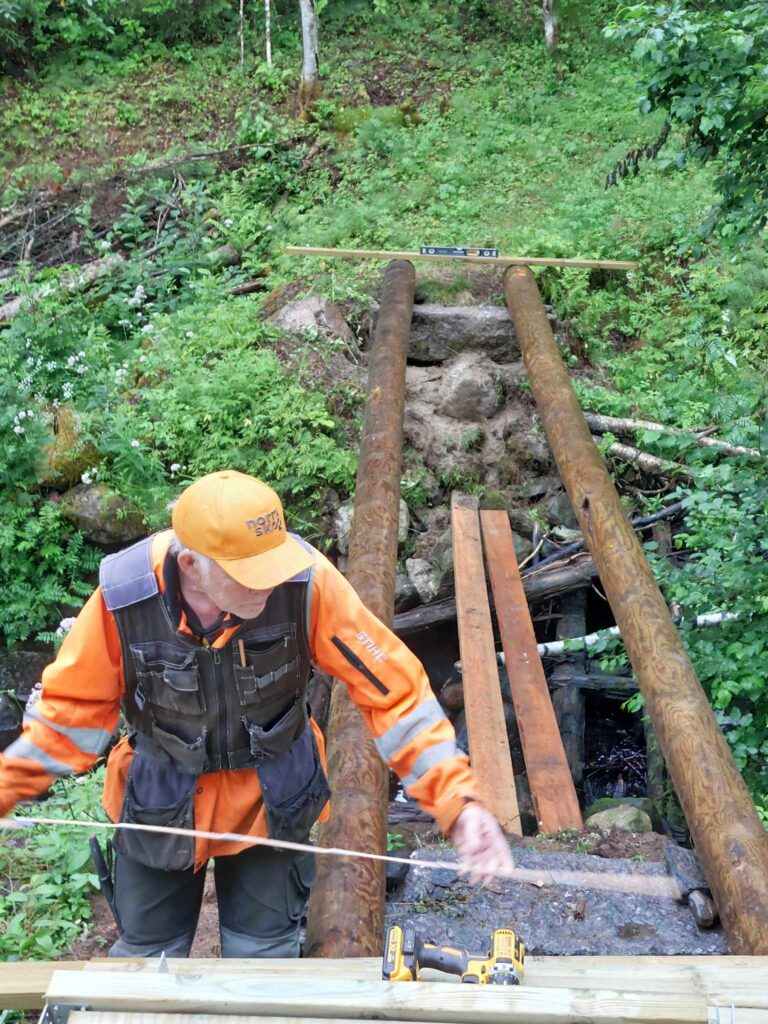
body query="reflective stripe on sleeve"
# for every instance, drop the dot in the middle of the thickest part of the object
(431, 757)
(426, 714)
(27, 751)
(89, 741)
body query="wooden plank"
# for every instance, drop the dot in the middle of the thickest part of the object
(346, 999)
(552, 789)
(722, 980)
(488, 742)
(130, 1017)
(498, 261)
(736, 1015)
(22, 985)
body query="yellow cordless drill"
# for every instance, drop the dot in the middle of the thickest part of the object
(406, 954)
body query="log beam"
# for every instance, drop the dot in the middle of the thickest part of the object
(730, 839)
(352, 924)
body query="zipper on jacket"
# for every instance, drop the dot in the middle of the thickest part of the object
(353, 660)
(223, 712)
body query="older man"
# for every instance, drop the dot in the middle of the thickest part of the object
(204, 636)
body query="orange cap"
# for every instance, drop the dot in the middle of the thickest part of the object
(238, 521)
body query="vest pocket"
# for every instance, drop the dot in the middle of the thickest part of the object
(267, 664)
(158, 794)
(294, 789)
(193, 757)
(168, 678)
(271, 742)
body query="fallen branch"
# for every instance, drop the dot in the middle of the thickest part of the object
(651, 465)
(539, 585)
(617, 425)
(559, 648)
(639, 524)
(89, 273)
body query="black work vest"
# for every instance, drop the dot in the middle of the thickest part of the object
(192, 709)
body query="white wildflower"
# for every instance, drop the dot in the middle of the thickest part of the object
(18, 429)
(228, 222)
(190, 334)
(149, 328)
(64, 626)
(175, 467)
(86, 477)
(135, 443)
(81, 369)
(138, 296)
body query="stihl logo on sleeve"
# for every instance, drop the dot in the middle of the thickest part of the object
(373, 649)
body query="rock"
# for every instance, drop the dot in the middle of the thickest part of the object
(629, 818)
(403, 522)
(20, 672)
(684, 866)
(607, 803)
(471, 389)
(424, 578)
(495, 500)
(704, 911)
(103, 516)
(316, 315)
(406, 595)
(67, 457)
(342, 524)
(558, 510)
(451, 696)
(224, 256)
(439, 332)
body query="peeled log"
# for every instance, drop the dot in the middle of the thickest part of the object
(346, 909)
(730, 839)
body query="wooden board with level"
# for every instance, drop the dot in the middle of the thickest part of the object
(498, 261)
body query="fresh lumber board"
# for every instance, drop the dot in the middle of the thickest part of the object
(499, 261)
(487, 730)
(349, 999)
(721, 980)
(23, 984)
(129, 1017)
(549, 776)
(736, 1015)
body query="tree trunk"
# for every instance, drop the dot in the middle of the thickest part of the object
(310, 87)
(551, 23)
(268, 32)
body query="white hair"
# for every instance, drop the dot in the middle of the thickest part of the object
(204, 562)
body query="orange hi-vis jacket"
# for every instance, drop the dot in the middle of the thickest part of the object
(73, 722)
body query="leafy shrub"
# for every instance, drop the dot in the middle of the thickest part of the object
(47, 879)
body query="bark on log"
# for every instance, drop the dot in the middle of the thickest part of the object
(618, 425)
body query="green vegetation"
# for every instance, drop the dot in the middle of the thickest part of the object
(439, 123)
(48, 878)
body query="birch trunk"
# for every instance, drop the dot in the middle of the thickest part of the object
(551, 23)
(309, 90)
(268, 32)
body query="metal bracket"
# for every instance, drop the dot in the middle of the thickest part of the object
(58, 1013)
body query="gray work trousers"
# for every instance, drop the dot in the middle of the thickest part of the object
(261, 895)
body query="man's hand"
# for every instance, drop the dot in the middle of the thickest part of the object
(483, 850)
